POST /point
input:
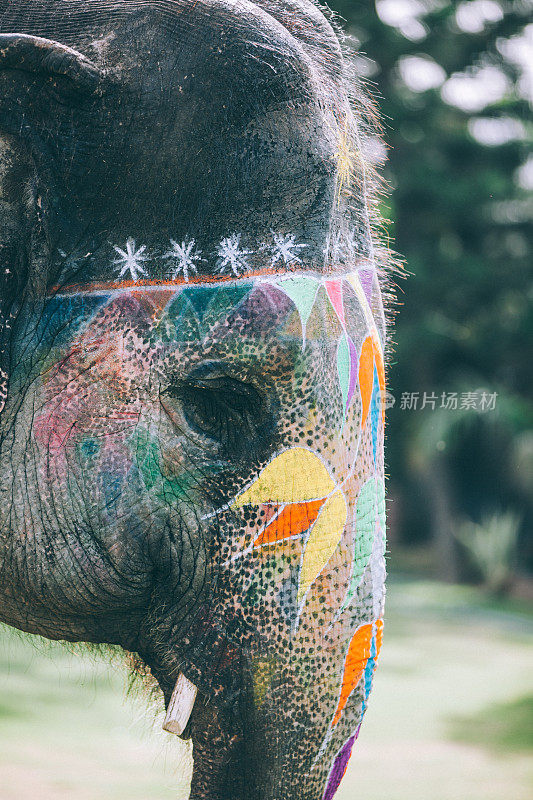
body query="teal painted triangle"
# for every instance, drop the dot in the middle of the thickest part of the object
(302, 290)
(180, 322)
(365, 526)
(212, 302)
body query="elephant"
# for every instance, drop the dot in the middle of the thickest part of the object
(192, 370)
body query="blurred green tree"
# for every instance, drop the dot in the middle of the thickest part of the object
(454, 84)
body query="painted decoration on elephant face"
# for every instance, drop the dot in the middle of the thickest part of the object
(301, 287)
(309, 504)
(361, 661)
(314, 514)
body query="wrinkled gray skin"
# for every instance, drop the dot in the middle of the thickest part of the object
(157, 120)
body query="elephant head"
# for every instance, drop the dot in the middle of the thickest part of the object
(191, 434)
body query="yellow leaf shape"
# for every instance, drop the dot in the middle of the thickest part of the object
(324, 538)
(295, 476)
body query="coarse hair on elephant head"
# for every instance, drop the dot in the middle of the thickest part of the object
(191, 366)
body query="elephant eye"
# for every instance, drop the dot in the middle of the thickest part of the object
(220, 407)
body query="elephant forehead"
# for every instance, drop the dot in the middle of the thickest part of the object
(212, 117)
(307, 342)
(301, 312)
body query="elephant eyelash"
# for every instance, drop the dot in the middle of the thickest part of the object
(218, 407)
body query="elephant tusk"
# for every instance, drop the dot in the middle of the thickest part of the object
(181, 705)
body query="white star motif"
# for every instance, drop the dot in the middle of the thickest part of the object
(231, 255)
(184, 255)
(284, 249)
(130, 259)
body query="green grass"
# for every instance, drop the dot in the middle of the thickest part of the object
(450, 716)
(501, 727)
(68, 730)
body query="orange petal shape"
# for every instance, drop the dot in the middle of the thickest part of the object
(379, 636)
(366, 375)
(354, 666)
(378, 355)
(292, 520)
(370, 352)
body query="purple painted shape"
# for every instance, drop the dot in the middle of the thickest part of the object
(339, 768)
(366, 276)
(354, 359)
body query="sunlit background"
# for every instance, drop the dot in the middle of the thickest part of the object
(454, 82)
(451, 714)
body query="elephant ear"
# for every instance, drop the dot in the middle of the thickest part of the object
(41, 81)
(49, 59)
(44, 87)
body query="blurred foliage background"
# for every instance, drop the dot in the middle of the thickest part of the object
(454, 83)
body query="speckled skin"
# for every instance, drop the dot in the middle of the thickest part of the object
(135, 414)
